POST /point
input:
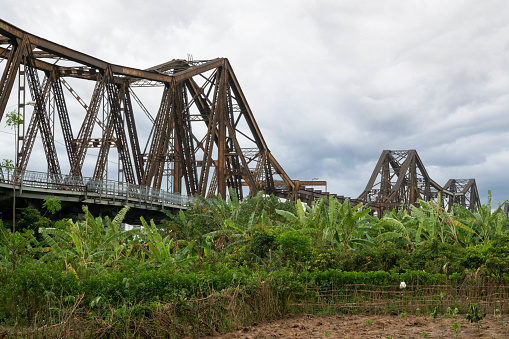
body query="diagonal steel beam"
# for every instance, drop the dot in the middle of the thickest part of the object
(10, 70)
(160, 140)
(118, 123)
(48, 140)
(33, 127)
(63, 116)
(133, 134)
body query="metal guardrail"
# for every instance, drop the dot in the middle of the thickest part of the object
(102, 189)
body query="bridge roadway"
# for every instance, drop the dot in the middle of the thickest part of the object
(103, 197)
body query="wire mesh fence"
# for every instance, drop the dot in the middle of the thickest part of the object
(414, 299)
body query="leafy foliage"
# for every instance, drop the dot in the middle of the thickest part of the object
(52, 204)
(13, 119)
(259, 244)
(475, 315)
(89, 243)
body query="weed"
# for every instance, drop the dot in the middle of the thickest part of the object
(402, 315)
(368, 322)
(456, 328)
(424, 334)
(326, 334)
(434, 314)
(452, 312)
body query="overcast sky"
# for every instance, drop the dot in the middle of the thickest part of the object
(331, 83)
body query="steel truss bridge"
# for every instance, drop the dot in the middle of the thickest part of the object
(400, 180)
(183, 127)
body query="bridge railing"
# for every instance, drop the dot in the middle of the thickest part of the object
(101, 189)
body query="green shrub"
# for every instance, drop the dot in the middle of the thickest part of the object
(262, 240)
(493, 257)
(438, 257)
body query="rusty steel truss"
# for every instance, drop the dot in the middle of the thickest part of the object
(400, 180)
(199, 138)
(202, 137)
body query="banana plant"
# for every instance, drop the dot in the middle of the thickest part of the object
(165, 250)
(312, 221)
(329, 221)
(221, 210)
(484, 224)
(434, 222)
(89, 243)
(396, 226)
(349, 221)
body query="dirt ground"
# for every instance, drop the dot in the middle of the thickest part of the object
(375, 326)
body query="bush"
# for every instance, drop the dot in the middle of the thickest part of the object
(262, 240)
(493, 257)
(437, 257)
(31, 219)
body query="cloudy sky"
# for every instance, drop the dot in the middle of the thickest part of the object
(331, 83)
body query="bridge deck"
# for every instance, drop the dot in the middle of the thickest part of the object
(38, 185)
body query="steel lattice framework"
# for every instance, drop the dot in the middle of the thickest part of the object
(202, 140)
(400, 180)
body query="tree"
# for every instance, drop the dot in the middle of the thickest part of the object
(52, 204)
(13, 119)
(7, 164)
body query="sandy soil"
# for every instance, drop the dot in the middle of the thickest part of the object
(376, 326)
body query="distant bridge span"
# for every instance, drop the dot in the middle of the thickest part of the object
(400, 180)
(183, 127)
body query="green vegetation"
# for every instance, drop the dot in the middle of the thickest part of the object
(475, 315)
(456, 328)
(221, 264)
(368, 322)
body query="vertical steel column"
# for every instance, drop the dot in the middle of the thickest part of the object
(160, 141)
(221, 147)
(412, 185)
(21, 110)
(210, 137)
(118, 123)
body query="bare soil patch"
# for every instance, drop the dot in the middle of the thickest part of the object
(372, 326)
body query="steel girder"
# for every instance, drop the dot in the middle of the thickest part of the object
(203, 140)
(400, 180)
